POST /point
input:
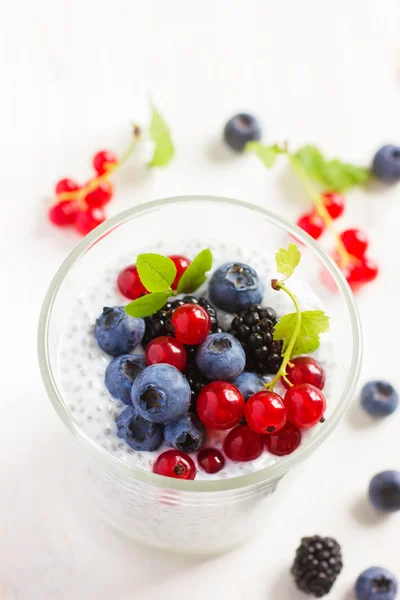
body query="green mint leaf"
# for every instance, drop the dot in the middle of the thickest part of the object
(195, 274)
(147, 305)
(313, 323)
(287, 259)
(159, 133)
(156, 272)
(332, 174)
(267, 154)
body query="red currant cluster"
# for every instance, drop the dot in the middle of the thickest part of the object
(83, 206)
(351, 244)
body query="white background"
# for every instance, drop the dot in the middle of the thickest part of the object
(74, 73)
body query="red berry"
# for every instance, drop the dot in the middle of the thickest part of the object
(312, 224)
(360, 273)
(176, 464)
(284, 442)
(103, 160)
(334, 204)
(355, 242)
(369, 270)
(211, 460)
(98, 197)
(220, 405)
(63, 213)
(305, 405)
(87, 220)
(129, 283)
(243, 444)
(181, 263)
(191, 324)
(168, 350)
(304, 369)
(265, 412)
(66, 185)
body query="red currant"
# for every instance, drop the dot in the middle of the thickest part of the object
(243, 444)
(312, 224)
(166, 350)
(98, 197)
(176, 464)
(369, 270)
(87, 220)
(286, 441)
(304, 369)
(360, 273)
(211, 460)
(63, 213)
(220, 405)
(265, 412)
(129, 283)
(191, 324)
(181, 263)
(355, 242)
(334, 204)
(305, 405)
(66, 185)
(103, 160)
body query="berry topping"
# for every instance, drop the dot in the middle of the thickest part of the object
(211, 460)
(100, 196)
(384, 491)
(221, 356)
(181, 263)
(167, 350)
(249, 384)
(305, 405)
(187, 434)
(376, 583)
(286, 441)
(317, 564)
(63, 213)
(265, 412)
(234, 286)
(386, 163)
(137, 432)
(118, 333)
(190, 324)
(220, 405)
(121, 373)
(379, 398)
(304, 369)
(89, 219)
(240, 129)
(103, 161)
(312, 224)
(176, 464)
(243, 444)
(334, 204)
(355, 242)
(254, 328)
(129, 283)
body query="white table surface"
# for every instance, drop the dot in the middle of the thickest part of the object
(74, 73)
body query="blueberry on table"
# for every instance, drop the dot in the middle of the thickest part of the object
(234, 286)
(384, 491)
(376, 583)
(187, 434)
(379, 398)
(121, 373)
(137, 432)
(386, 163)
(240, 129)
(221, 356)
(116, 332)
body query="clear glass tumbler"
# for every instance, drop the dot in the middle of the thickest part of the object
(200, 517)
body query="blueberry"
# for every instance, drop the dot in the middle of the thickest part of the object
(379, 398)
(240, 129)
(137, 432)
(118, 333)
(386, 163)
(161, 394)
(187, 434)
(384, 491)
(121, 373)
(249, 384)
(376, 583)
(221, 356)
(234, 286)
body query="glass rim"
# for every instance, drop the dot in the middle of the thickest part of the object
(271, 472)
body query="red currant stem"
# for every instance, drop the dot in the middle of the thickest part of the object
(287, 355)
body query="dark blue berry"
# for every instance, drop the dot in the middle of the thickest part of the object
(384, 491)
(221, 356)
(249, 384)
(234, 286)
(121, 373)
(137, 432)
(376, 583)
(379, 398)
(118, 333)
(240, 129)
(187, 434)
(386, 163)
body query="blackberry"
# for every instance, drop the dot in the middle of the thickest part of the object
(159, 323)
(196, 380)
(254, 326)
(317, 564)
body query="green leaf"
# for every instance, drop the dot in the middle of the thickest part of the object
(159, 133)
(332, 174)
(147, 305)
(313, 323)
(156, 272)
(195, 274)
(287, 259)
(267, 154)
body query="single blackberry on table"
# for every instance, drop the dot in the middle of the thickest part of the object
(254, 326)
(317, 564)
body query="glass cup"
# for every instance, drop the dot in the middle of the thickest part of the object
(199, 517)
